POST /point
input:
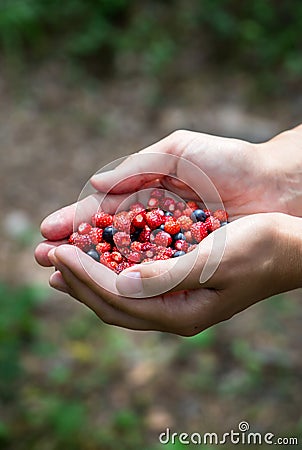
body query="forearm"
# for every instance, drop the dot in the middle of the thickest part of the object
(283, 165)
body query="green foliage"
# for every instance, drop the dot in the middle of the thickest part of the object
(260, 37)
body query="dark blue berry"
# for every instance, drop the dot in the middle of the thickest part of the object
(168, 213)
(198, 215)
(178, 253)
(162, 227)
(179, 237)
(94, 254)
(222, 224)
(134, 236)
(108, 234)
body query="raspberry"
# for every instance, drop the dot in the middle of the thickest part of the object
(96, 235)
(136, 246)
(155, 218)
(172, 226)
(157, 193)
(164, 253)
(221, 215)
(84, 228)
(212, 223)
(180, 205)
(122, 221)
(207, 212)
(139, 221)
(103, 247)
(145, 234)
(122, 239)
(189, 237)
(161, 238)
(82, 241)
(191, 248)
(185, 223)
(181, 245)
(187, 212)
(168, 204)
(177, 213)
(199, 231)
(101, 219)
(135, 257)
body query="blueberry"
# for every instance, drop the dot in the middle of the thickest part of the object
(108, 234)
(178, 253)
(179, 237)
(134, 236)
(222, 224)
(168, 213)
(94, 254)
(162, 227)
(198, 215)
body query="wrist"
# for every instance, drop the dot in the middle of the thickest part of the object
(288, 251)
(281, 159)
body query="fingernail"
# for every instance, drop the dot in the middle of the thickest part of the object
(130, 283)
(51, 256)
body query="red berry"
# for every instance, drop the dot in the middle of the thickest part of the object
(212, 223)
(189, 237)
(122, 221)
(191, 248)
(172, 226)
(180, 205)
(122, 266)
(145, 234)
(96, 235)
(117, 257)
(103, 247)
(199, 231)
(168, 204)
(181, 245)
(137, 207)
(153, 202)
(121, 239)
(187, 212)
(162, 238)
(135, 257)
(177, 213)
(221, 215)
(185, 223)
(136, 246)
(155, 218)
(157, 193)
(192, 205)
(82, 241)
(101, 219)
(139, 221)
(207, 212)
(164, 253)
(84, 228)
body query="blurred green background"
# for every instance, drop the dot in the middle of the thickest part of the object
(83, 82)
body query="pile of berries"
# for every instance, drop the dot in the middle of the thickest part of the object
(162, 229)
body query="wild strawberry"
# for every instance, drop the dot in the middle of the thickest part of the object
(122, 221)
(172, 226)
(84, 228)
(185, 223)
(164, 253)
(168, 204)
(122, 239)
(192, 205)
(157, 193)
(137, 207)
(150, 252)
(101, 219)
(135, 257)
(212, 223)
(162, 238)
(221, 215)
(145, 234)
(96, 235)
(82, 241)
(155, 218)
(103, 247)
(122, 266)
(117, 257)
(153, 202)
(199, 231)
(181, 245)
(139, 221)
(136, 246)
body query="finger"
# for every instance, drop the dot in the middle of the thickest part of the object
(42, 250)
(62, 223)
(57, 281)
(65, 281)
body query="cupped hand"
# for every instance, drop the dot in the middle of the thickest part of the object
(255, 265)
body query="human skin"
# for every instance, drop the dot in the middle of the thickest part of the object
(262, 254)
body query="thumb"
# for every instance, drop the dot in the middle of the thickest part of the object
(158, 277)
(153, 162)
